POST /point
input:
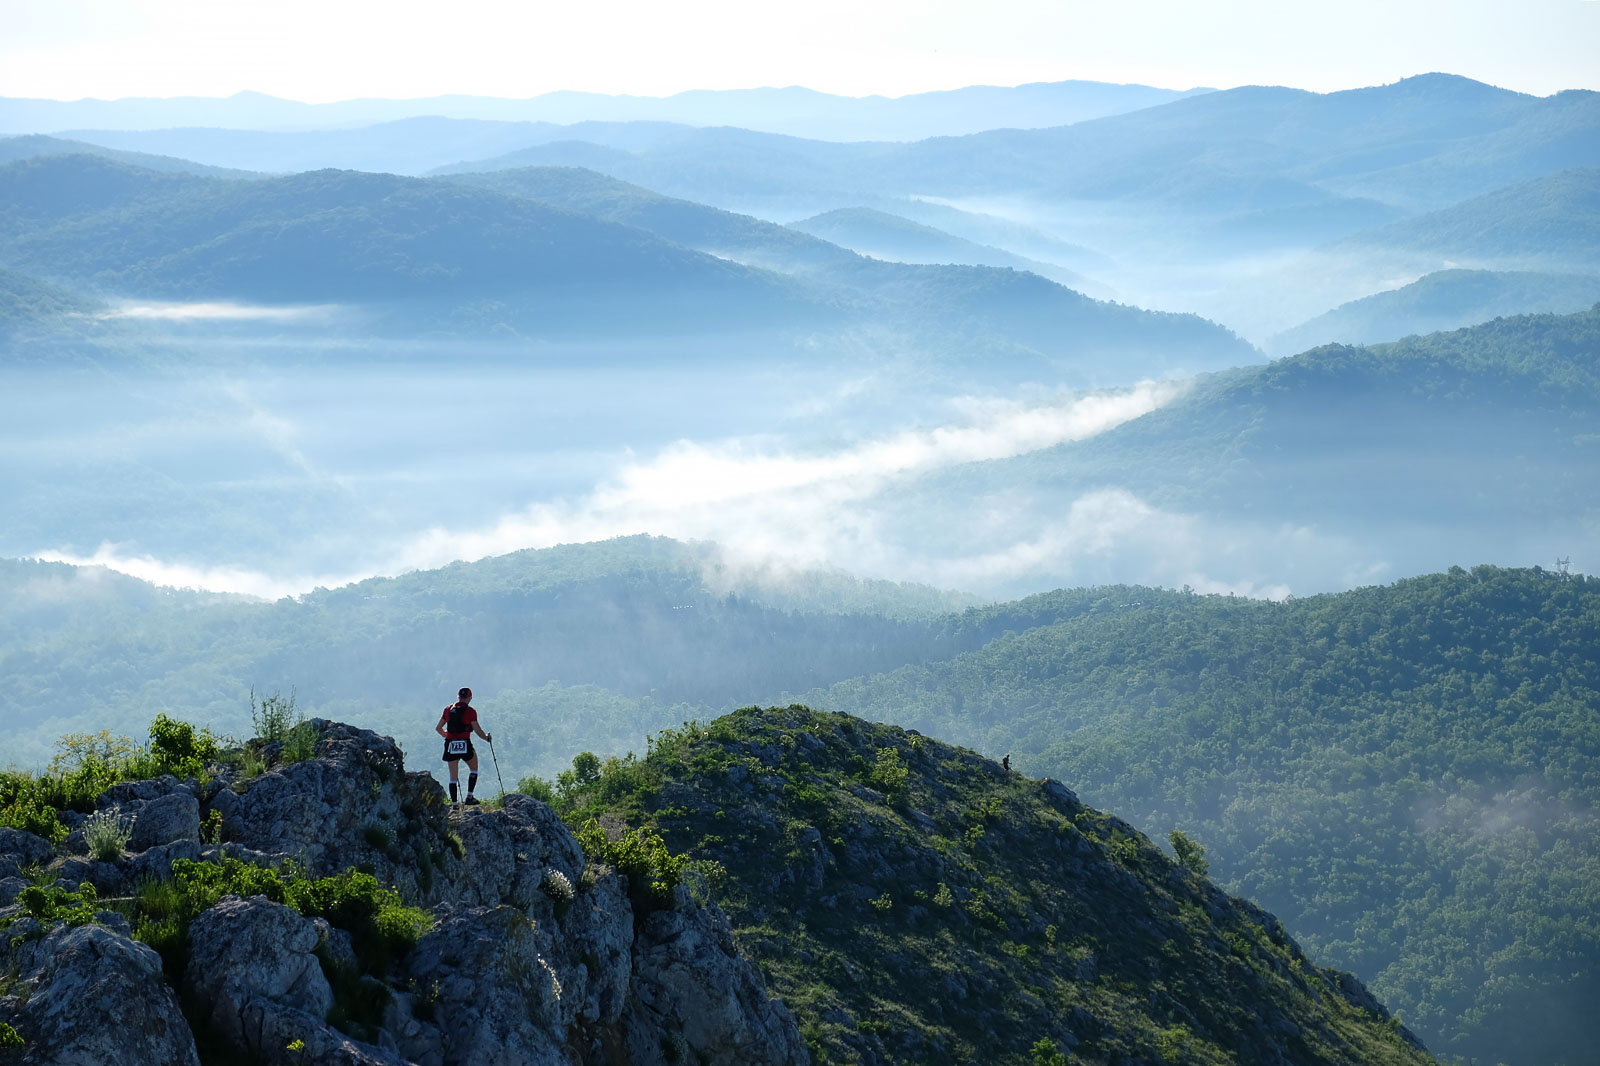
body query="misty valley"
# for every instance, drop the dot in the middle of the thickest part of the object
(1230, 458)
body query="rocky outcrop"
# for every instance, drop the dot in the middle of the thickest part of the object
(92, 996)
(693, 986)
(534, 957)
(354, 804)
(251, 959)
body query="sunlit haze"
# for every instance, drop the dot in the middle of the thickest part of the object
(318, 51)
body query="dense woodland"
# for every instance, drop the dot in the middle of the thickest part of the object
(1404, 774)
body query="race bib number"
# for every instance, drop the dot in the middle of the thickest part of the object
(455, 747)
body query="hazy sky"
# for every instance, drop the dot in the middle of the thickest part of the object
(319, 50)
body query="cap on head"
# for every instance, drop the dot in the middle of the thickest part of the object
(465, 693)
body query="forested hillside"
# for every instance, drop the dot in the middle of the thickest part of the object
(1404, 774)
(582, 646)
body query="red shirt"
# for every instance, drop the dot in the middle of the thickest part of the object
(469, 718)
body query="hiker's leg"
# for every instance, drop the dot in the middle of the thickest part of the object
(472, 775)
(455, 774)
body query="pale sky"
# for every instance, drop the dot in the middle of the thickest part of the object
(323, 50)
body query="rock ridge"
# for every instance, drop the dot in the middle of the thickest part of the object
(532, 952)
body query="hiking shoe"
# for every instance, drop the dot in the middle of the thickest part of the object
(472, 801)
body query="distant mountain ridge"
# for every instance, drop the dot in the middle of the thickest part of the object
(793, 110)
(1420, 143)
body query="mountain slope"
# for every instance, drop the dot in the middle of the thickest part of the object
(32, 146)
(1404, 774)
(1443, 300)
(707, 229)
(886, 236)
(26, 300)
(1479, 443)
(912, 902)
(337, 235)
(411, 145)
(1552, 222)
(475, 258)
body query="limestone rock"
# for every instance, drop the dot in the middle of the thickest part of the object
(25, 849)
(248, 959)
(173, 817)
(509, 853)
(351, 805)
(90, 997)
(693, 993)
(494, 998)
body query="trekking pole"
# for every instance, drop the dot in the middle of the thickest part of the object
(497, 770)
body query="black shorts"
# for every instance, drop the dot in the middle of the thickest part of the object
(469, 754)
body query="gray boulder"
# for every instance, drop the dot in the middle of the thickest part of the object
(510, 852)
(249, 959)
(490, 992)
(90, 997)
(25, 849)
(592, 951)
(173, 817)
(132, 793)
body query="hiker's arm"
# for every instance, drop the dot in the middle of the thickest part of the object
(440, 727)
(478, 729)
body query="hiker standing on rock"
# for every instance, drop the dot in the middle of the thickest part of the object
(457, 724)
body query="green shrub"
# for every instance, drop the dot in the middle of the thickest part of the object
(641, 856)
(571, 784)
(55, 904)
(381, 926)
(1045, 1053)
(538, 788)
(9, 1037)
(273, 717)
(890, 773)
(23, 807)
(300, 744)
(106, 834)
(182, 747)
(1191, 856)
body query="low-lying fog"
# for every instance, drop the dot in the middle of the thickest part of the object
(256, 459)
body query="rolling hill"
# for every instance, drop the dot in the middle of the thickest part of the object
(1479, 443)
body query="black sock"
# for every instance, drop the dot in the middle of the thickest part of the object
(472, 782)
(452, 792)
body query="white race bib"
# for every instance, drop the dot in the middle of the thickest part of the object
(455, 747)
